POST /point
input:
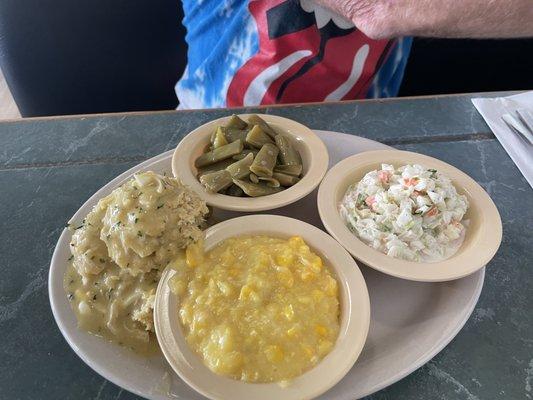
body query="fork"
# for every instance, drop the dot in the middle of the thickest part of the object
(521, 125)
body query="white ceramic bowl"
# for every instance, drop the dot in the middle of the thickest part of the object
(483, 234)
(312, 150)
(354, 319)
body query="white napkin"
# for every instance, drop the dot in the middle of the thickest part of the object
(492, 110)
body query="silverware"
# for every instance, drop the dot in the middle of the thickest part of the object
(521, 124)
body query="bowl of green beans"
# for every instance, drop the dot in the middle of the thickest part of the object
(251, 162)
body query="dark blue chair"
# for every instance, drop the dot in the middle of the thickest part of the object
(89, 56)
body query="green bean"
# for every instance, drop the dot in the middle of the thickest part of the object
(219, 154)
(248, 159)
(255, 119)
(220, 138)
(270, 182)
(294, 170)
(215, 167)
(287, 153)
(233, 134)
(265, 160)
(285, 180)
(244, 153)
(254, 189)
(234, 191)
(216, 181)
(253, 178)
(257, 138)
(236, 122)
(241, 169)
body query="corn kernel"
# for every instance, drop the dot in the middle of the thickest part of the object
(199, 321)
(274, 354)
(285, 276)
(321, 330)
(318, 295)
(289, 281)
(324, 346)
(178, 264)
(225, 288)
(245, 292)
(316, 264)
(296, 241)
(305, 300)
(201, 299)
(248, 294)
(259, 267)
(229, 363)
(263, 258)
(292, 332)
(304, 249)
(193, 255)
(307, 276)
(288, 312)
(285, 259)
(273, 309)
(186, 314)
(308, 350)
(331, 287)
(227, 258)
(224, 338)
(259, 282)
(177, 286)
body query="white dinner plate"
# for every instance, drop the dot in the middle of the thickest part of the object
(410, 321)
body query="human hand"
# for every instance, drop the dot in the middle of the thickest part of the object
(380, 19)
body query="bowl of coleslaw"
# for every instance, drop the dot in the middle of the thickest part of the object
(409, 215)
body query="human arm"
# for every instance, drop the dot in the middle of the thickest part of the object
(380, 19)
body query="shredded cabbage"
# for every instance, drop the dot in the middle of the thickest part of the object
(411, 212)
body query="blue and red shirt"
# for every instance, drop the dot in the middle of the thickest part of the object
(257, 52)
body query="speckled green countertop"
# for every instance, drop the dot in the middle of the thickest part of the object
(50, 166)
